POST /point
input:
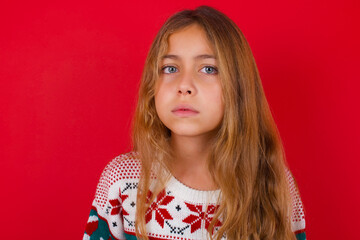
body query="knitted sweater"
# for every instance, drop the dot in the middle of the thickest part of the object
(178, 212)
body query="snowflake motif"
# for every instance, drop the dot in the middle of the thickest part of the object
(123, 198)
(116, 205)
(199, 216)
(159, 207)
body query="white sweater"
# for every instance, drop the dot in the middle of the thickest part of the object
(178, 212)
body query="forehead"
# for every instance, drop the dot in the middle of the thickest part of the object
(191, 40)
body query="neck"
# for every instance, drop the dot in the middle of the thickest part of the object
(190, 165)
(190, 149)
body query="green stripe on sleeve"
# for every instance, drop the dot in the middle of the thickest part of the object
(301, 236)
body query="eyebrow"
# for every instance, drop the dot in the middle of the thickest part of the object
(176, 57)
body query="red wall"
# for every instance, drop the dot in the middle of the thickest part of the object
(68, 78)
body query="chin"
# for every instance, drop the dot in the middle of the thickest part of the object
(188, 132)
(183, 132)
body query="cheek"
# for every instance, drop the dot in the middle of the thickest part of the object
(218, 109)
(217, 101)
(158, 102)
(161, 98)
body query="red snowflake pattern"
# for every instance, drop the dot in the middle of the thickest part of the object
(116, 205)
(196, 219)
(159, 207)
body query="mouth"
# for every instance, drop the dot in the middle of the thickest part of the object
(184, 111)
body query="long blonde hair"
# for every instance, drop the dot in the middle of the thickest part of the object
(247, 160)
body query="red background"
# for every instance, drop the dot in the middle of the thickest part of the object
(68, 78)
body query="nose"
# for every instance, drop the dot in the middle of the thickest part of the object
(184, 92)
(186, 85)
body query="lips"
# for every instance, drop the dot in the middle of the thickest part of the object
(184, 111)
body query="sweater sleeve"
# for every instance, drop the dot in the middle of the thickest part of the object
(297, 214)
(104, 221)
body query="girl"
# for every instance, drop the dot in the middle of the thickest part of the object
(208, 162)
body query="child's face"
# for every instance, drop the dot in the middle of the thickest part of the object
(188, 95)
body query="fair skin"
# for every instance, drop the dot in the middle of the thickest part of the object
(189, 102)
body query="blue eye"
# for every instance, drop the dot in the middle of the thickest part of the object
(209, 70)
(169, 69)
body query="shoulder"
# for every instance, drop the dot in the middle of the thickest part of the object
(123, 166)
(297, 212)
